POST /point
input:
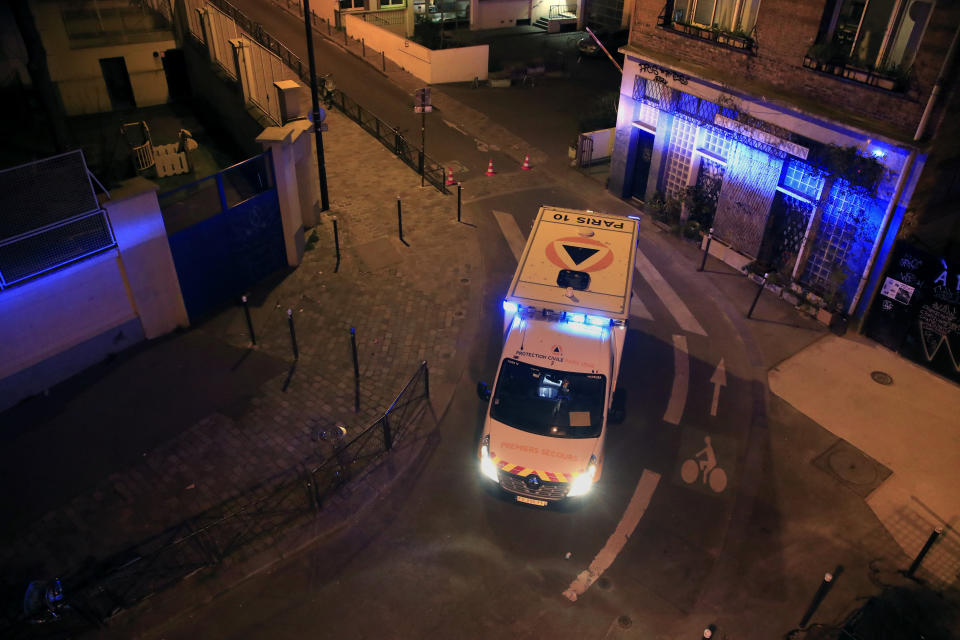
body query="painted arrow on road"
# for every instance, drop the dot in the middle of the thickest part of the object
(718, 379)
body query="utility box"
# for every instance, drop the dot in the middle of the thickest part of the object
(288, 97)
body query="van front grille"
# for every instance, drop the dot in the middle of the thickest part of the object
(547, 490)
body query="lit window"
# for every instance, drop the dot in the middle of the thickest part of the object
(883, 34)
(738, 16)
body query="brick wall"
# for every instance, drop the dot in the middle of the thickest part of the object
(784, 33)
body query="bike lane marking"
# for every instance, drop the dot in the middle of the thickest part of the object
(681, 381)
(631, 517)
(718, 379)
(511, 232)
(670, 299)
(638, 309)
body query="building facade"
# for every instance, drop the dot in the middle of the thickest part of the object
(796, 130)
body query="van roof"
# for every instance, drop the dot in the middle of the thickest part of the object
(599, 244)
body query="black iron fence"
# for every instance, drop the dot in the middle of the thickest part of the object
(388, 135)
(233, 530)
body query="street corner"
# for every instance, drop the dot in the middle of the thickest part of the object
(705, 463)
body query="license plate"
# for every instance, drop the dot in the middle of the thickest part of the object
(539, 503)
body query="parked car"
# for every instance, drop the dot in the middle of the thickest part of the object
(612, 40)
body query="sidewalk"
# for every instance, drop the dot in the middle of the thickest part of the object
(909, 426)
(192, 420)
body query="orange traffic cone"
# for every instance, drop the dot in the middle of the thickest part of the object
(490, 171)
(450, 179)
(526, 163)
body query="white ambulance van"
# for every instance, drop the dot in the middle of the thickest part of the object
(565, 322)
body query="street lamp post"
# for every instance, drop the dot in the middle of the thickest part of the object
(317, 117)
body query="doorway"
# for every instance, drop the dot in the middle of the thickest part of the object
(642, 155)
(118, 83)
(175, 70)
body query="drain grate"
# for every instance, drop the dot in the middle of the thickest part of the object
(852, 468)
(881, 377)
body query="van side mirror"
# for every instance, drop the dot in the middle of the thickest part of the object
(483, 391)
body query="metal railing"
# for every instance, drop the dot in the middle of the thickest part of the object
(383, 17)
(410, 153)
(239, 527)
(559, 11)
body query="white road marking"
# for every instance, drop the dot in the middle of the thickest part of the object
(665, 292)
(454, 126)
(631, 517)
(511, 232)
(718, 379)
(681, 381)
(638, 309)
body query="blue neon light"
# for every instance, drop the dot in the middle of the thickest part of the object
(598, 321)
(510, 307)
(580, 318)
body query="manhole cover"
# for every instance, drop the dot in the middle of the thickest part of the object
(603, 583)
(464, 280)
(881, 377)
(852, 466)
(625, 622)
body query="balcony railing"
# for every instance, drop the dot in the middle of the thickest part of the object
(848, 70)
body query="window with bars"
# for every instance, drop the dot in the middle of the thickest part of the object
(714, 142)
(648, 114)
(682, 139)
(836, 236)
(800, 178)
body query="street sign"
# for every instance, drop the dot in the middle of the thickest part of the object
(422, 101)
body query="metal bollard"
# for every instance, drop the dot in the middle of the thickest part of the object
(328, 27)
(759, 291)
(383, 61)
(426, 379)
(363, 46)
(400, 221)
(706, 250)
(459, 189)
(818, 597)
(293, 335)
(345, 37)
(936, 533)
(356, 371)
(246, 312)
(336, 243)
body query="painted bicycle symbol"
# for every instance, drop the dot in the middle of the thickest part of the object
(703, 466)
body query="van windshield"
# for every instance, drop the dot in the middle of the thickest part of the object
(547, 402)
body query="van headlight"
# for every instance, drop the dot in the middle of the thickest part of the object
(584, 482)
(487, 467)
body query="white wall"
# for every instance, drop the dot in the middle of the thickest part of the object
(77, 70)
(493, 14)
(41, 318)
(461, 64)
(602, 142)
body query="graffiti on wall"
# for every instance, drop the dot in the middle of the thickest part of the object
(917, 311)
